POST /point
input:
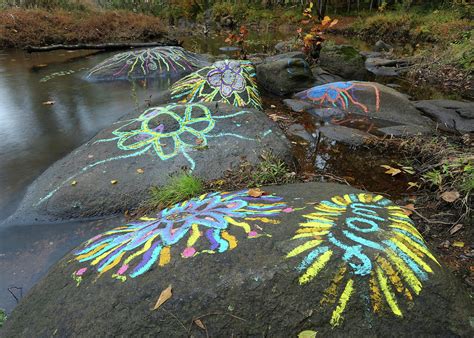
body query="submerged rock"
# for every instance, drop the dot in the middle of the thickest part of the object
(456, 116)
(387, 67)
(321, 257)
(228, 81)
(147, 63)
(285, 74)
(113, 171)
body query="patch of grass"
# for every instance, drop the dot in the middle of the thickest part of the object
(3, 317)
(179, 188)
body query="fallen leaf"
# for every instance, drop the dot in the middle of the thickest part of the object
(164, 296)
(458, 244)
(334, 22)
(140, 171)
(307, 334)
(450, 196)
(48, 103)
(272, 106)
(455, 229)
(74, 183)
(199, 141)
(113, 182)
(390, 170)
(90, 156)
(408, 209)
(413, 185)
(200, 324)
(256, 192)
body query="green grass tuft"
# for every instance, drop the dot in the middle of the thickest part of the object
(3, 317)
(179, 188)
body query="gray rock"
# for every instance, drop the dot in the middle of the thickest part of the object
(284, 76)
(343, 60)
(349, 136)
(286, 46)
(298, 105)
(373, 100)
(289, 55)
(298, 130)
(386, 67)
(148, 63)
(455, 116)
(322, 76)
(336, 263)
(208, 139)
(381, 46)
(327, 114)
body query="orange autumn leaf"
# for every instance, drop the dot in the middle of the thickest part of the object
(256, 192)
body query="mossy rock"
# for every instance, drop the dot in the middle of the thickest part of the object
(343, 60)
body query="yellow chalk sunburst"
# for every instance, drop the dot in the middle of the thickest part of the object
(376, 245)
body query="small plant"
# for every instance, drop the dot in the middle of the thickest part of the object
(271, 170)
(179, 188)
(3, 317)
(311, 33)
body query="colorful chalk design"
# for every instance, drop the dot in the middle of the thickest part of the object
(199, 225)
(375, 246)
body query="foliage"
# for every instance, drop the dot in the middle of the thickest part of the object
(271, 170)
(179, 188)
(239, 39)
(3, 317)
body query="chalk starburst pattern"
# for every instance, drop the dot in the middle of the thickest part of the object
(229, 81)
(202, 225)
(341, 94)
(147, 62)
(376, 247)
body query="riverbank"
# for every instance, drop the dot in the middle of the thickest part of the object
(22, 27)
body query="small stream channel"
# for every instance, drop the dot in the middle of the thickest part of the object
(36, 134)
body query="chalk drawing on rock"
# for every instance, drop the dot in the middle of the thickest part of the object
(166, 132)
(147, 62)
(374, 245)
(200, 225)
(229, 81)
(341, 94)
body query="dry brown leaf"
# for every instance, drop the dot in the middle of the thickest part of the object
(164, 296)
(48, 103)
(199, 141)
(256, 192)
(455, 229)
(200, 324)
(390, 170)
(113, 182)
(74, 183)
(408, 209)
(140, 171)
(450, 196)
(334, 22)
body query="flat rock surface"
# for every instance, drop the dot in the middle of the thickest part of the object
(147, 63)
(457, 116)
(344, 61)
(311, 257)
(114, 170)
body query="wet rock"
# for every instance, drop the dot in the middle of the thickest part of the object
(381, 46)
(327, 114)
(322, 76)
(386, 67)
(228, 81)
(344, 61)
(148, 63)
(379, 104)
(114, 171)
(299, 131)
(455, 116)
(298, 105)
(313, 256)
(349, 136)
(284, 75)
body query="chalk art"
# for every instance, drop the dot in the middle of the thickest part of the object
(341, 94)
(229, 81)
(146, 63)
(375, 246)
(166, 132)
(202, 225)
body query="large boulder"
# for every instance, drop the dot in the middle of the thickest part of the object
(343, 60)
(455, 116)
(113, 171)
(320, 258)
(147, 63)
(285, 74)
(390, 112)
(228, 81)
